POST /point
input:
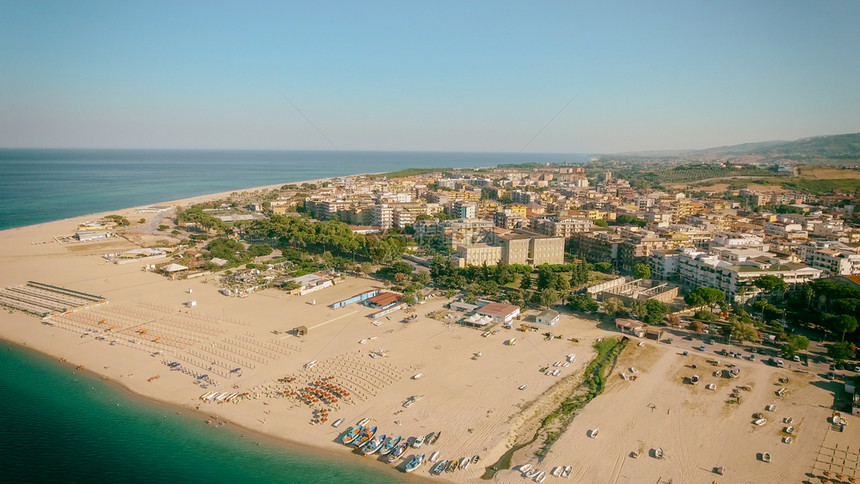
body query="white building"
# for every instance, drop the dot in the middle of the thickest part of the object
(736, 278)
(834, 258)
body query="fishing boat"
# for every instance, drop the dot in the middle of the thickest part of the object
(523, 387)
(540, 477)
(567, 471)
(695, 379)
(556, 472)
(397, 452)
(439, 467)
(417, 376)
(374, 445)
(418, 442)
(452, 465)
(464, 463)
(525, 467)
(789, 429)
(363, 422)
(365, 437)
(337, 423)
(760, 422)
(658, 453)
(532, 473)
(766, 457)
(434, 456)
(429, 437)
(435, 438)
(390, 445)
(594, 433)
(351, 434)
(475, 459)
(414, 463)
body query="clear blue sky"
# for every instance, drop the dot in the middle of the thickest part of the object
(436, 76)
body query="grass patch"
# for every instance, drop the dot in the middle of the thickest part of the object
(592, 386)
(820, 186)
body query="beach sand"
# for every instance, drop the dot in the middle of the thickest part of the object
(474, 401)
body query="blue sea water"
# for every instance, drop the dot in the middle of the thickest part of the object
(56, 426)
(45, 185)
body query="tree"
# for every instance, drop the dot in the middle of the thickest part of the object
(582, 303)
(840, 351)
(769, 284)
(601, 223)
(604, 267)
(642, 271)
(696, 326)
(614, 307)
(794, 344)
(526, 282)
(743, 331)
(840, 323)
(705, 296)
(548, 297)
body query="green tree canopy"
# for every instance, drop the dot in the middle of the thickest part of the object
(841, 351)
(705, 296)
(794, 344)
(642, 271)
(582, 303)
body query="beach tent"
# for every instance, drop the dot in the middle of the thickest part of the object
(173, 268)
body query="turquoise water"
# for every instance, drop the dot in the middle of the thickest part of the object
(56, 426)
(44, 185)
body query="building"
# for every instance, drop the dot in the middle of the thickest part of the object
(463, 209)
(528, 248)
(92, 235)
(499, 312)
(834, 258)
(478, 254)
(735, 279)
(382, 216)
(563, 228)
(467, 231)
(791, 231)
(664, 263)
(546, 250)
(519, 196)
(508, 219)
(548, 317)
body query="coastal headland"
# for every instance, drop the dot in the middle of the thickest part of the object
(237, 360)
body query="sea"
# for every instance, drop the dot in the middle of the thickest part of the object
(38, 185)
(59, 425)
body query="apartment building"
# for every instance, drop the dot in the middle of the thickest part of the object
(834, 258)
(563, 228)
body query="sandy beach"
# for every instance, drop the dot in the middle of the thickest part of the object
(475, 401)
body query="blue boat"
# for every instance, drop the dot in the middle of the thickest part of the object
(390, 445)
(374, 444)
(365, 437)
(414, 463)
(351, 434)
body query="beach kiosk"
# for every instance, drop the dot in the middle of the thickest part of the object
(300, 330)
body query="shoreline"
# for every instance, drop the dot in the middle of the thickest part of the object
(238, 430)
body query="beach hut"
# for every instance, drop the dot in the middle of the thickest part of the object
(300, 330)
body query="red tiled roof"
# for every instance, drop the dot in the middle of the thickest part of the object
(498, 309)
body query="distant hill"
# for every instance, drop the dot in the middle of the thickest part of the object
(840, 146)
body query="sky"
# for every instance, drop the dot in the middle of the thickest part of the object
(533, 76)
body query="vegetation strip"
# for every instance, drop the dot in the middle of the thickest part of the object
(592, 386)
